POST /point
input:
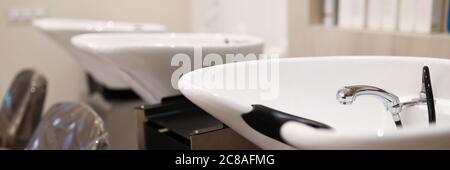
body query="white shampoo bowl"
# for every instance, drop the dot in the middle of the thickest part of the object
(306, 88)
(62, 30)
(147, 60)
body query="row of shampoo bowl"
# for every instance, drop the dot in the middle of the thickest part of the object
(123, 55)
(142, 61)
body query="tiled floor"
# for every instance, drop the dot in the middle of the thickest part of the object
(120, 121)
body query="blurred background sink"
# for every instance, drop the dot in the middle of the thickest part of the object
(149, 62)
(62, 30)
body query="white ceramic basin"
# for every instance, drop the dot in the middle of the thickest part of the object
(62, 30)
(307, 89)
(147, 60)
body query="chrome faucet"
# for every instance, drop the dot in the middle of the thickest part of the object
(347, 95)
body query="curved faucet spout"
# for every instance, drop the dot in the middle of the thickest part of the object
(348, 95)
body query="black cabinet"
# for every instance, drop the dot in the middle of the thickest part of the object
(179, 124)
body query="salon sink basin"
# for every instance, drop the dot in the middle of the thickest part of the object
(293, 104)
(153, 63)
(61, 30)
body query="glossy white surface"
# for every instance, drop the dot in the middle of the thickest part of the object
(146, 59)
(62, 30)
(308, 89)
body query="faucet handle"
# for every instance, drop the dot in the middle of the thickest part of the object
(426, 87)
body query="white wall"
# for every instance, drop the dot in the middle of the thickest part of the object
(22, 46)
(267, 19)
